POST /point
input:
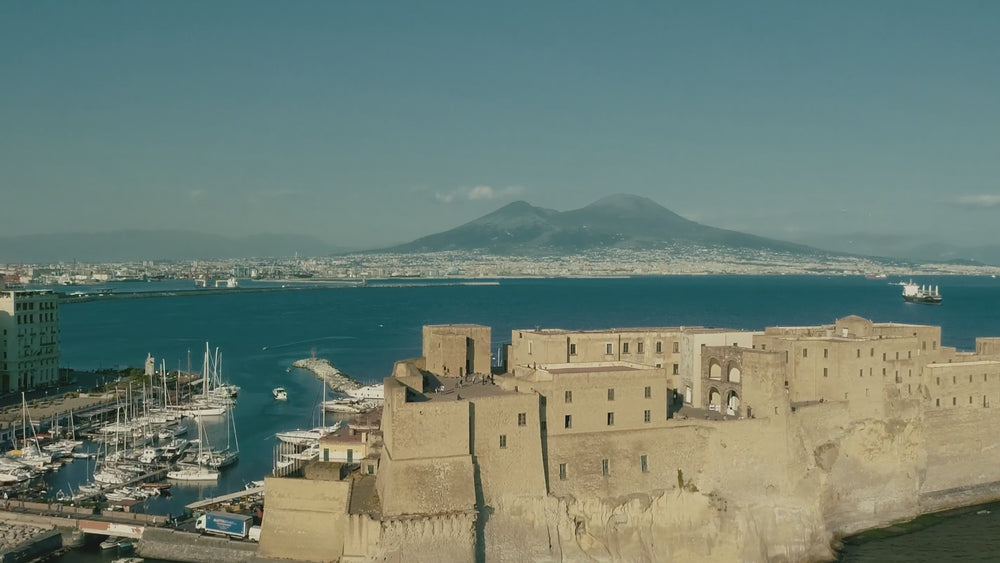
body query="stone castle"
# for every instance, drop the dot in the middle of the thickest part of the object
(653, 444)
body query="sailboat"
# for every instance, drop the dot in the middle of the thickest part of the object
(29, 452)
(227, 456)
(195, 472)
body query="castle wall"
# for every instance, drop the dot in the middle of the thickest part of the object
(600, 398)
(657, 347)
(305, 519)
(965, 384)
(508, 453)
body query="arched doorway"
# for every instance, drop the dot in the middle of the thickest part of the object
(714, 400)
(732, 403)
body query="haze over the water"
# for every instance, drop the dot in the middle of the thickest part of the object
(366, 124)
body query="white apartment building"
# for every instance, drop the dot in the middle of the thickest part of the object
(29, 339)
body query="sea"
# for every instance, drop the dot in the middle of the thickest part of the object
(364, 330)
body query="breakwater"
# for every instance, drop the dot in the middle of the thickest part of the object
(334, 378)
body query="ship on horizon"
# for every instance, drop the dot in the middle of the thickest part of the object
(913, 293)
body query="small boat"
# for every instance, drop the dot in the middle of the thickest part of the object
(912, 293)
(280, 394)
(115, 541)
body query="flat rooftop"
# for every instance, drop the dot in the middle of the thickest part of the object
(461, 389)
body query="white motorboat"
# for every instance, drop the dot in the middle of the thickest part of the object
(280, 394)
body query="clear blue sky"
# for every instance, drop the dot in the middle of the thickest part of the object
(366, 123)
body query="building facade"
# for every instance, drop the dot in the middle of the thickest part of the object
(29, 340)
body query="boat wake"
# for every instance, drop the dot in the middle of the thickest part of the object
(298, 342)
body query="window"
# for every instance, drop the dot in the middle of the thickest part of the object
(677, 369)
(529, 347)
(568, 421)
(826, 353)
(937, 402)
(883, 356)
(647, 415)
(897, 355)
(883, 372)
(648, 392)
(607, 349)
(638, 347)
(562, 471)
(572, 349)
(569, 396)
(805, 352)
(872, 353)
(859, 352)
(677, 347)
(625, 348)
(824, 372)
(611, 394)
(503, 441)
(659, 347)
(644, 463)
(606, 467)
(522, 419)
(611, 419)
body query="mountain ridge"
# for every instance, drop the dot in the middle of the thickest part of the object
(623, 221)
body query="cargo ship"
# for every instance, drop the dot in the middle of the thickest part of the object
(912, 293)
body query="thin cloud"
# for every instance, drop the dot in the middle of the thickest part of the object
(980, 200)
(478, 193)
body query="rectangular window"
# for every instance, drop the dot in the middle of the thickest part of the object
(824, 372)
(677, 347)
(883, 356)
(648, 392)
(611, 394)
(568, 421)
(562, 471)
(572, 349)
(644, 463)
(503, 441)
(659, 347)
(611, 419)
(872, 353)
(859, 352)
(897, 355)
(826, 353)
(638, 347)
(569, 396)
(606, 467)
(625, 348)
(607, 349)
(805, 352)
(677, 369)
(522, 418)
(647, 415)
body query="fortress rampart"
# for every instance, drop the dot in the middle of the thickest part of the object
(774, 445)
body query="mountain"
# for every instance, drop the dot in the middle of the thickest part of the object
(910, 248)
(135, 245)
(619, 221)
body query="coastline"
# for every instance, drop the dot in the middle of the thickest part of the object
(335, 379)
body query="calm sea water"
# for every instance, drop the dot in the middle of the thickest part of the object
(363, 331)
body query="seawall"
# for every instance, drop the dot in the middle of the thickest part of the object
(174, 545)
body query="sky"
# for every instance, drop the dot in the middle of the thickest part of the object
(370, 123)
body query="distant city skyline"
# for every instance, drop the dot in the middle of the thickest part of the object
(366, 125)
